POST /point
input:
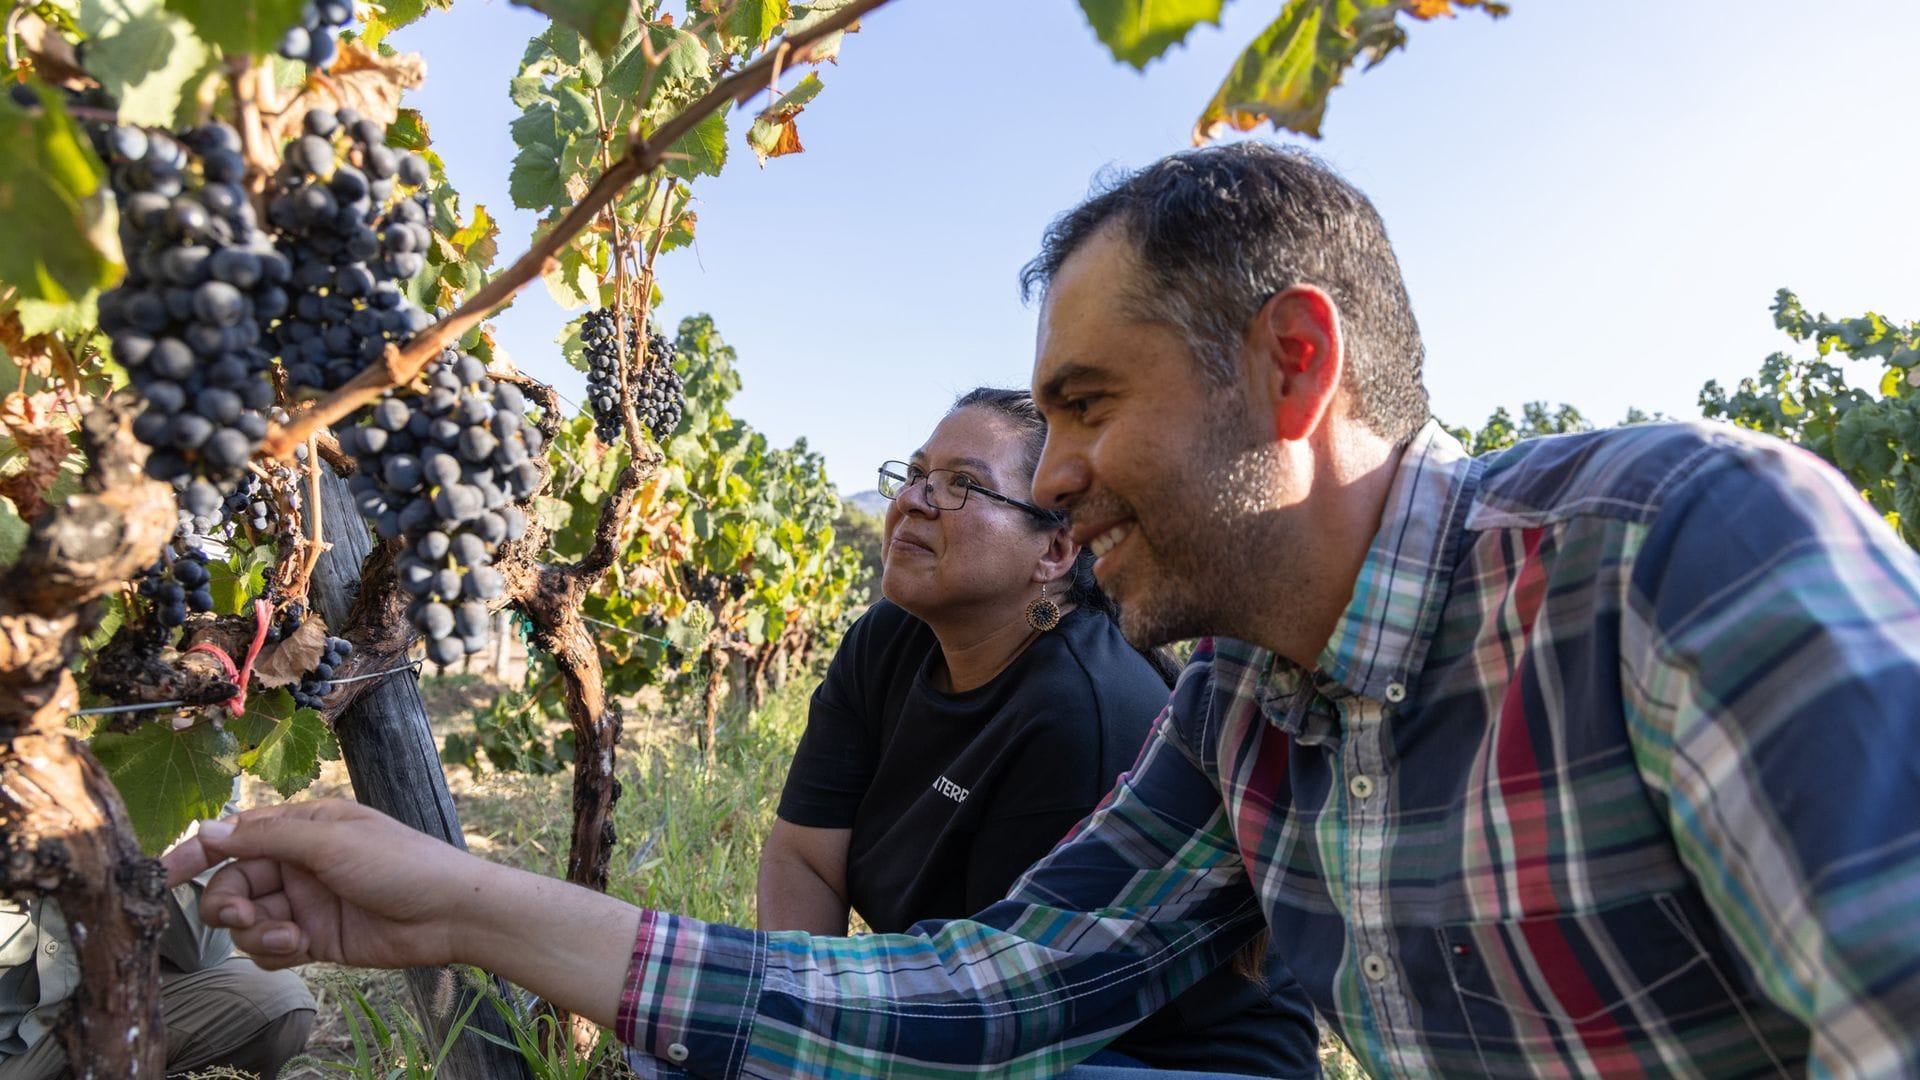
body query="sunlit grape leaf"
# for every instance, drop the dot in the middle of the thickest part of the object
(570, 279)
(168, 779)
(806, 16)
(773, 133)
(1284, 77)
(700, 152)
(240, 27)
(751, 20)
(599, 21)
(145, 56)
(479, 240)
(394, 14)
(60, 244)
(280, 744)
(1137, 31)
(74, 318)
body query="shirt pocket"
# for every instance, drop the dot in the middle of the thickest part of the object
(1618, 990)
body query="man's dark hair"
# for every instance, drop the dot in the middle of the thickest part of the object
(1221, 229)
(1016, 407)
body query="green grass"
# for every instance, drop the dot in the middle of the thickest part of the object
(689, 831)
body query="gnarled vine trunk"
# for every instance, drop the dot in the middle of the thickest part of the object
(65, 830)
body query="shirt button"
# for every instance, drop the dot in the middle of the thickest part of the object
(1361, 786)
(52, 947)
(1396, 692)
(1373, 966)
(677, 1053)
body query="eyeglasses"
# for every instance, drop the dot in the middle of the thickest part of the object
(948, 490)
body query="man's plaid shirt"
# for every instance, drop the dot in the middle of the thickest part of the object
(1611, 768)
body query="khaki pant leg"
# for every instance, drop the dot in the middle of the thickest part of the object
(232, 1014)
(235, 1015)
(44, 1060)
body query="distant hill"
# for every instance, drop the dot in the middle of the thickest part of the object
(867, 502)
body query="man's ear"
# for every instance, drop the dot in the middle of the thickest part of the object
(1057, 560)
(1299, 356)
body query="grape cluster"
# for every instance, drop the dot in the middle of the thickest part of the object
(598, 333)
(178, 583)
(442, 470)
(661, 395)
(351, 246)
(188, 322)
(316, 39)
(738, 584)
(697, 585)
(658, 396)
(315, 685)
(288, 620)
(252, 503)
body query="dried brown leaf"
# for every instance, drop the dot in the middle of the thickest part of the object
(282, 664)
(36, 427)
(360, 79)
(37, 356)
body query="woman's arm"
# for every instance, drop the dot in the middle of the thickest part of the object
(803, 879)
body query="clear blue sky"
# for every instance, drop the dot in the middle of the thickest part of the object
(1593, 203)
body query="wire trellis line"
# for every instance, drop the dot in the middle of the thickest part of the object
(154, 706)
(624, 630)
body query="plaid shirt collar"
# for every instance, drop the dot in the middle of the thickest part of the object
(1381, 639)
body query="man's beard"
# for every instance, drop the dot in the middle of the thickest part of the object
(1199, 566)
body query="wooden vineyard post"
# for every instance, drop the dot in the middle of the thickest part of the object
(395, 767)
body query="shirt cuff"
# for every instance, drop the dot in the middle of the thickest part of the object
(691, 994)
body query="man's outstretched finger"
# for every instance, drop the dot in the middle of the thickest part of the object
(187, 860)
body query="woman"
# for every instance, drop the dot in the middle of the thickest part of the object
(975, 716)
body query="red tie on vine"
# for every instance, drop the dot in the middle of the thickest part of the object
(263, 618)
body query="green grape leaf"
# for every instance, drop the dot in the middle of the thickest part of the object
(168, 779)
(60, 245)
(391, 15)
(599, 21)
(282, 745)
(13, 532)
(145, 56)
(239, 578)
(534, 181)
(806, 16)
(700, 152)
(240, 27)
(753, 21)
(570, 279)
(75, 318)
(1137, 31)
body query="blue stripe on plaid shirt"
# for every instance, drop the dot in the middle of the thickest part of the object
(1611, 768)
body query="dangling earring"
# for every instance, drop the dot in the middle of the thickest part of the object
(1043, 614)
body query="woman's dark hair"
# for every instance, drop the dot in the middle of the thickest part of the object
(1083, 591)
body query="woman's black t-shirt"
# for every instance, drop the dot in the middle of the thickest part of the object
(951, 796)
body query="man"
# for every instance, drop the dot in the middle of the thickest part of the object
(1592, 757)
(220, 1009)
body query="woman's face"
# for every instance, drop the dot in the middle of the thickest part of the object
(980, 557)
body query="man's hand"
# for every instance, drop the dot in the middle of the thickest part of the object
(339, 882)
(330, 880)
